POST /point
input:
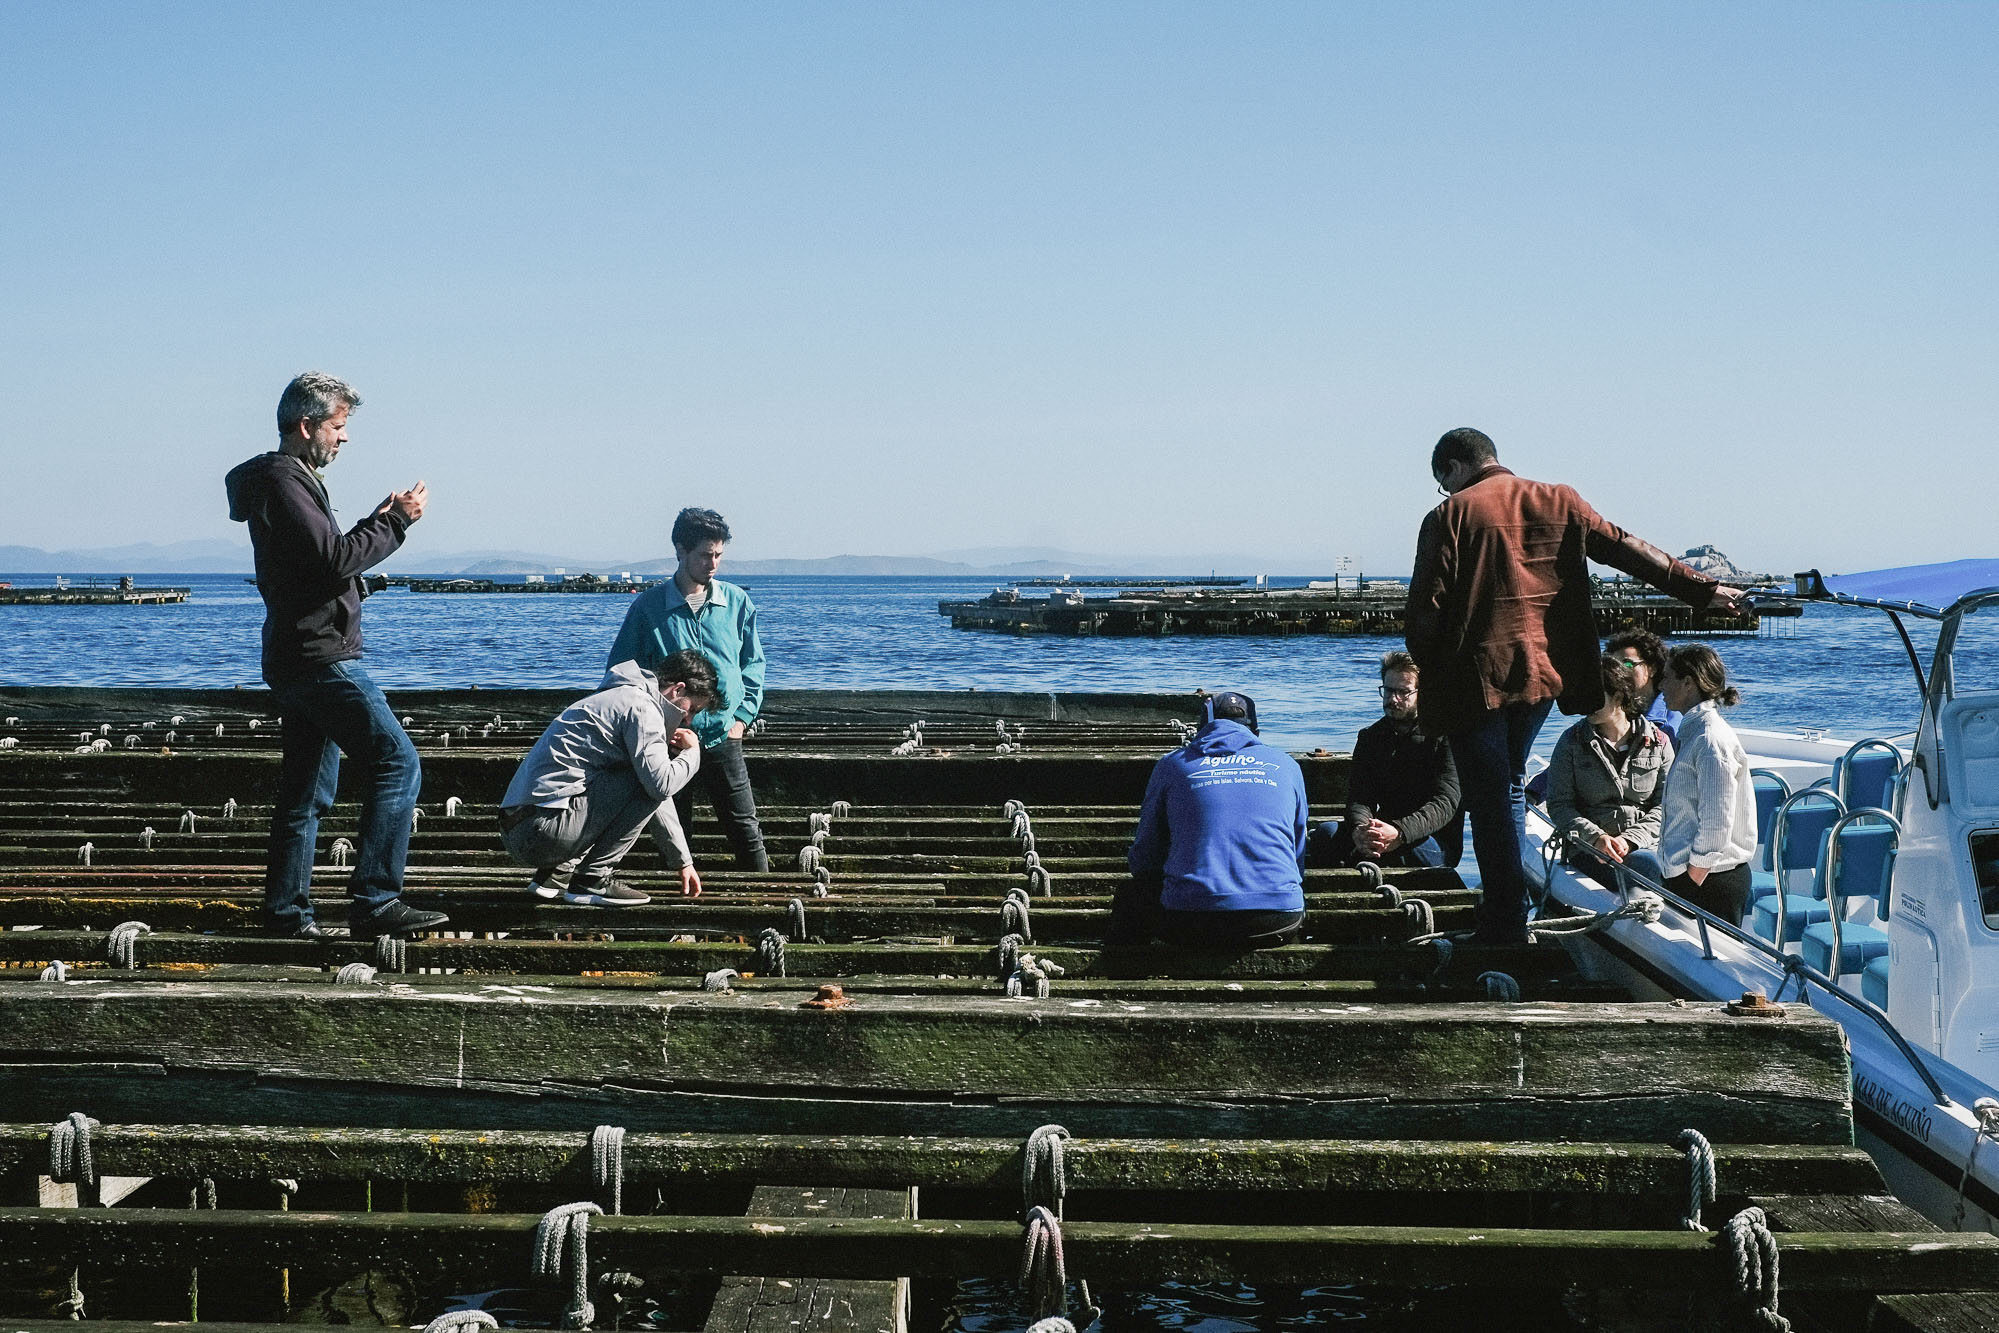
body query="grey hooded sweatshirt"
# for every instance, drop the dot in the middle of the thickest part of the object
(624, 725)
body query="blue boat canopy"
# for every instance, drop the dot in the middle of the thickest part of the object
(1922, 590)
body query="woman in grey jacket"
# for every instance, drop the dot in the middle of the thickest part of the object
(1607, 781)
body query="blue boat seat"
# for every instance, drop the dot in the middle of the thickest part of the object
(1858, 946)
(1874, 982)
(1770, 793)
(1800, 910)
(1864, 780)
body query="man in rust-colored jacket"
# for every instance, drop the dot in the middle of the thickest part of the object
(1500, 621)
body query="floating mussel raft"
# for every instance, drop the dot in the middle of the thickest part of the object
(724, 1113)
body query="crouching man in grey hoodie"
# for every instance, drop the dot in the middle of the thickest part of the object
(600, 772)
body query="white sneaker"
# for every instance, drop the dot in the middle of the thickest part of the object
(548, 886)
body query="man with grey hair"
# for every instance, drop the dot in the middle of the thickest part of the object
(309, 574)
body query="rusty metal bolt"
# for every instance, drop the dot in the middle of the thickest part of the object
(829, 997)
(1754, 1004)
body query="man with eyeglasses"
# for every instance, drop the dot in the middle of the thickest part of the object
(1500, 619)
(1402, 790)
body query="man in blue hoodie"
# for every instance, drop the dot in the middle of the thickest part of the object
(1221, 839)
(309, 574)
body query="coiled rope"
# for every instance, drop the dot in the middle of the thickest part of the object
(461, 1321)
(354, 974)
(1421, 915)
(822, 881)
(1009, 955)
(1499, 986)
(1054, 1323)
(56, 971)
(1043, 1179)
(1043, 1274)
(340, 851)
(719, 980)
(809, 858)
(121, 946)
(794, 919)
(1700, 1176)
(607, 1164)
(1755, 1252)
(70, 1161)
(562, 1250)
(1032, 974)
(392, 953)
(1014, 915)
(770, 951)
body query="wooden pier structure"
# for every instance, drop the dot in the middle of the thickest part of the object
(124, 593)
(816, 1098)
(1377, 608)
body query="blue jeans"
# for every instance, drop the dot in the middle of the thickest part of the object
(333, 709)
(1492, 772)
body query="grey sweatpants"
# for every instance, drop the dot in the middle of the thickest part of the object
(590, 835)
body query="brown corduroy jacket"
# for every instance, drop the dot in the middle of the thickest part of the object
(1499, 604)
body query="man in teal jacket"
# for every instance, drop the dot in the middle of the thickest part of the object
(694, 609)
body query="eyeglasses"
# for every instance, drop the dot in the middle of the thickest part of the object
(1629, 661)
(1443, 490)
(1387, 693)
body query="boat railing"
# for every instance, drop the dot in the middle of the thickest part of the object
(1834, 895)
(1629, 880)
(1780, 848)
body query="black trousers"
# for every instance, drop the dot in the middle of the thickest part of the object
(1138, 918)
(1724, 892)
(726, 779)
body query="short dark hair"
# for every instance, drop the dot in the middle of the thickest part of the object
(313, 396)
(1649, 647)
(1463, 445)
(1620, 686)
(691, 527)
(692, 668)
(1399, 661)
(1700, 664)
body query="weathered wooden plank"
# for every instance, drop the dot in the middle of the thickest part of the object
(752, 1304)
(1792, 1072)
(227, 1152)
(1866, 1210)
(1935, 1312)
(1498, 1258)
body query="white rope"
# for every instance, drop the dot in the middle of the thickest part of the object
(451, 805)
(770, 952)
(416, 812)
(794, 919)
(186, 818)
(1041, 881)
(1014, 915)
(809, 859)
(85, 852)
(340, 851)
(1390, 896)
(1987, 1111)
(229, 808)
(461, 1321)
(607, 1164)
(70, 1160)
(1755, 1252)
(121, 946)
(719, 980)
(392, 953)
(1023, 827)
(146, 836)
(1054, 1323)
(131, 741)
(1499, 986)
(1042, 1271)
(354, 974)
(1032, 974)
(841, 809)
(1009, 955)
(56, 971)
(1421, 915)
(819, 837)
(1043, 1179)
(1640, 906)
(562, 1249)
(1010, 809)
(1700, 1175)
(177, 719)
(822, 881)
(819, 821)
(8, 742)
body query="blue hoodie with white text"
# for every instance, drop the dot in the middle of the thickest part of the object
(1224, 822)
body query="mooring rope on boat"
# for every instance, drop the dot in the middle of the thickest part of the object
(1043, 1177)
(1043, 1274)
(562, 1248)
(1642, 905)
(1987, 1111)
(770, 951)
(121, 946)
(70, 1160)
(354, 974)
(607, 1164)
(1700, 1176)
(1501, 986)
(1755, 1252)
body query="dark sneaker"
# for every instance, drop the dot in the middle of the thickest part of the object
(311, 930)
(548, 883)
(605, 893)
(398, 918)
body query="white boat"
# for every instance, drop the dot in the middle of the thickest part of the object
(1889, 923)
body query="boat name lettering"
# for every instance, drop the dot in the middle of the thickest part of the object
(1904, 1114)
(1915, 905)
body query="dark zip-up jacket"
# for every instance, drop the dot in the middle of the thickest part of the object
(1402, 776)
(308, 571)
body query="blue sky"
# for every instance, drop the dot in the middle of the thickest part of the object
(906, 278)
